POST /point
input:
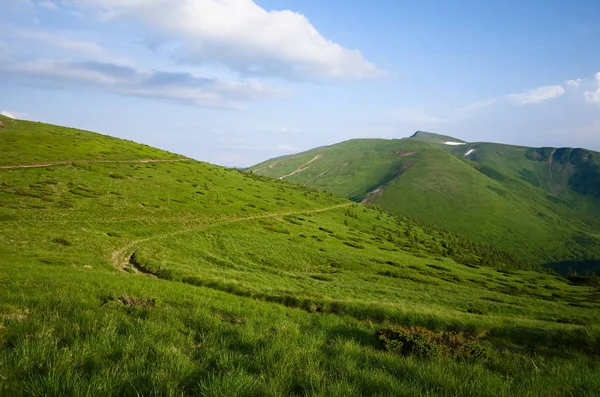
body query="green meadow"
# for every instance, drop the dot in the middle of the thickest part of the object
(121, 275)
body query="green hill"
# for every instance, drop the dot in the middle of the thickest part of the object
(127, 271)
(436, 138)
(541, 204)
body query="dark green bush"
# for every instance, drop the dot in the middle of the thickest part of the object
(408, 343)
(421, 342)
(474, 351)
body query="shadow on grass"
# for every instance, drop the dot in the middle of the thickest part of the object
(552, 343)
(362, 337)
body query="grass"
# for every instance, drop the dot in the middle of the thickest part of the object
(500, 194)
(140, 285)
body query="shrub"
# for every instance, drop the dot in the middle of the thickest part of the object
(415, 341)
(474, 351)
(421, 342)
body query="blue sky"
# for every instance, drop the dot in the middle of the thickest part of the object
(234, 82)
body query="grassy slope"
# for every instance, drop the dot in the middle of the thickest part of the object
(485, 197)
(256, 287)
(430, 137)
(350, 169)
(29, 142)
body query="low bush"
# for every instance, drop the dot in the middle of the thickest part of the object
(409, 341)
(421, 342)
(474, 351)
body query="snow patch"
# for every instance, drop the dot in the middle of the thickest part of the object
(453, 143)
(469, 152)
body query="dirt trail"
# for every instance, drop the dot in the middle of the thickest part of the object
(302, 167)
(120, 257)
(318, 176)
(69, 162)
(269, 166)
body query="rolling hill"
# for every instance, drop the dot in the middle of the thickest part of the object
(126, 270)
(543, 204)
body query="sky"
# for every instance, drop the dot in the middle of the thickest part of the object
(236, 82)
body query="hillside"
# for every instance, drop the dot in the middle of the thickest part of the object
(430, 137)
(126, 270)
(541, 204)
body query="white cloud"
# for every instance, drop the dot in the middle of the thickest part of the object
(74, 47)
(79, 46)
(130, 81)
(474, 107)
(47, 4)
(566, 115)
(14, 115)
(244, 37)
(537, 95)
(594, 96)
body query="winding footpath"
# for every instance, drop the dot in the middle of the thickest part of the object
(120, 257)
(303, 167)
(71, 162)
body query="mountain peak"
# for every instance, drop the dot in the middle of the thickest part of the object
(436, 138)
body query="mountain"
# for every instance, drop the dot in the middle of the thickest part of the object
(436, 138)
(543, 204)
(127, 270)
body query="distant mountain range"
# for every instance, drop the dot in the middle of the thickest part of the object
(540, 203)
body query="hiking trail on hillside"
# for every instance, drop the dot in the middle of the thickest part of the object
(71, 162)
(120, 257)
(302, 167)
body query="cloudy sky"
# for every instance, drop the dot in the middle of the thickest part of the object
(235, 82)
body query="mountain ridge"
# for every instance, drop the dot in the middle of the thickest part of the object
(502, 194)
